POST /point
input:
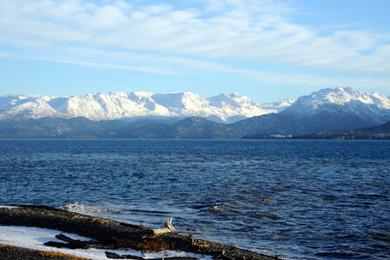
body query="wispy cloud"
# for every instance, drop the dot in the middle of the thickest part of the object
(168, 39)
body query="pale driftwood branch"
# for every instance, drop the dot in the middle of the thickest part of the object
(164, 230)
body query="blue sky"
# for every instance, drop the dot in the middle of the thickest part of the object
(265, 49)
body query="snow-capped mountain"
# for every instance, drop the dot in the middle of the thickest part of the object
(233, 103)
(105, 106)
(326, 110)
(373, 107)
(331, 110)
(276, 107)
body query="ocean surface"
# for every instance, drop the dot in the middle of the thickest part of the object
(296, 199)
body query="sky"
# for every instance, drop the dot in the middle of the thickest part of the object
(266, 49)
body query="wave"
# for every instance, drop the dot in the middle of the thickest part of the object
(81, 208)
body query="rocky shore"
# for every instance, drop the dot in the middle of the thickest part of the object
(108, 235)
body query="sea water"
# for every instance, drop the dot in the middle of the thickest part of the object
(292, 198)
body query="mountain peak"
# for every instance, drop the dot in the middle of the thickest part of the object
(342, 100)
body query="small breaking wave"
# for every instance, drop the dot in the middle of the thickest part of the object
(7, 207)
(81, 208)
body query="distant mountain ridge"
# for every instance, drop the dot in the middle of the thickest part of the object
(371, 106)
(108, 106)
(332, 110)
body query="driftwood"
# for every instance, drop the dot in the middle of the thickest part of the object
(165, 230)
(69, 243)
(110, 234)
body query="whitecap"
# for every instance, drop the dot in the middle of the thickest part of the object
(8, 207)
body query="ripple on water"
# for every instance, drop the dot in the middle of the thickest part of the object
(298, 199)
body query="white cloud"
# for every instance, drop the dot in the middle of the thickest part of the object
(160, 38)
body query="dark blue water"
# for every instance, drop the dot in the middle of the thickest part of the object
(296, 199)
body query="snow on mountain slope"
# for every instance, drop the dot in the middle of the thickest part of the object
(102, 106)
(371, 106)
(33, 106)
(109, 106)
(183, 103)
(278, 106)
(234, 104)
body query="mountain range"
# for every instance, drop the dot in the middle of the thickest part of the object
(188, 115)
(108, 106)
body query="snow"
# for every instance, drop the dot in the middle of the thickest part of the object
(223, 107)
(34, 238)
(278, 106)
(343, 96)
(365, 105)
(106, 106)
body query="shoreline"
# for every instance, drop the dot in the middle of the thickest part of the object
(9, 252)
(112, 235)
